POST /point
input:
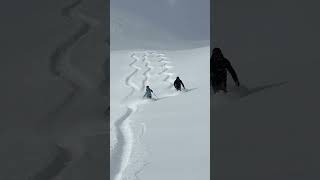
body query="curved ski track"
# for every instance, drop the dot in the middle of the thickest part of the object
(166, 67)
(61, 67)
(146, 73)
(123, 148)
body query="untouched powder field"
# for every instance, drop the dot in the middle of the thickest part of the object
(159, 138)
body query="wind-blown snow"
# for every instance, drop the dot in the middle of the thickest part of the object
(158, 139)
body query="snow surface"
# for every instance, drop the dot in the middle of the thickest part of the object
(53, 122)
(273, 133)
(129, 30)
(167, 138)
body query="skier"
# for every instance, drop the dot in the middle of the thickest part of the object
(218, 73)
(177, 84)
(148, 93)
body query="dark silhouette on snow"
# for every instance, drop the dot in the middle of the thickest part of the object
(262, 88)
(148, 93)
(177, 84)
(218, 71)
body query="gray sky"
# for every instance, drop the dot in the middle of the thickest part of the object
(187, 19)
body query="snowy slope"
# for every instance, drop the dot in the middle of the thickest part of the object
(158, 139)
(53, 124)
(129, 30)
(269, 122)
(273, 133)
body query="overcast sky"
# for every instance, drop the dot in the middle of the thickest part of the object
(187, 19)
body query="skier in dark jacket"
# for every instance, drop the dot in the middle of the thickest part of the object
(148, 93)
(177, 84)
(218, 71)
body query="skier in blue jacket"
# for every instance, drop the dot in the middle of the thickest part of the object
(148, 93)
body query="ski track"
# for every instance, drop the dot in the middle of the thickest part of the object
(61, 68)
(124, 134)
(128, 80)
(129, 83)
(146, 73)
(124, 146)
(166, 67)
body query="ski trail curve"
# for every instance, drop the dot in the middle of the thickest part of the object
(129, 83)
(128, 80)
(126, 136)
(61, 160)
(123, 146)
(60, 65)
(166, 67)
(146, 73)
(61, 68)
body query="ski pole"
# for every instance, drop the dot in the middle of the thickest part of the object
(155, 95)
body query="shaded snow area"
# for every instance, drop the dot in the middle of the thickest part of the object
(270, 130)
(53, 122)
(166, 137)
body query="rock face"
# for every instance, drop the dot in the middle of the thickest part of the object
(54, 66)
